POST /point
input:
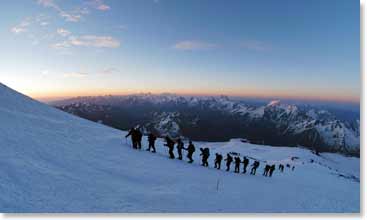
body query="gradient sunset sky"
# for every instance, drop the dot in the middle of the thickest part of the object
(306, 49)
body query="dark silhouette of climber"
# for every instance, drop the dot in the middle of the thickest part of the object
(180, 146)
(205, 155)
(271, 170)
(218, 160)
(255, 165)
(170, 144)
(229, 160)
(237, 162)
(135, 137)
(190, 151)
(245, 163)
(151, 140)
(266, 170)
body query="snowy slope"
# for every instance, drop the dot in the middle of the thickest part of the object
(55, 162)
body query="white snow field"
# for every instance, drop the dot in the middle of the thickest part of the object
(54, 162)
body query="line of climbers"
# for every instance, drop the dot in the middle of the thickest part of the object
(136, 138)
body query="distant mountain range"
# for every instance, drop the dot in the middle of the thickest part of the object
(220, 119)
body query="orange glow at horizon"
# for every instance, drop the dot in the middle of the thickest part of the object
(340, 97)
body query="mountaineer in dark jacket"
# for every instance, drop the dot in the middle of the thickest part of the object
(205, 155)
(151, 140)
(190, 150)
(237, 162)
(180, 146)
(229, 160)
(218, 160)
(271, 170)
(245, 163)
(170, 144)
(266, 170)
(139, 138)
(255, 165)
(134, 133)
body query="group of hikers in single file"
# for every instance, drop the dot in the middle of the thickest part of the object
(136, 138)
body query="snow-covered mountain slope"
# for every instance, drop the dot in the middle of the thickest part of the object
(54, 162)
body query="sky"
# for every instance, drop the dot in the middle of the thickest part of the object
(306, 49)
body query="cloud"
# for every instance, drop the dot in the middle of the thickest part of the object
(63, 32)
(26, 23)
(255, 45)
(88, 41)
(70, 17)
(95, 41)
(77, 13)
(99, 5)
(73, 17)
(108, 71)
(18, 29)
(75, 75)
(61, 45)
(22, 27)
(41, 19)
(193, 45)
(103, 7)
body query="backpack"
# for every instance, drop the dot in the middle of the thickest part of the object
(191, 146)
(206, 151)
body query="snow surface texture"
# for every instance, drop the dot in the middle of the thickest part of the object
(55, 162)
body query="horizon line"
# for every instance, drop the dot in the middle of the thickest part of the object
(260, 97)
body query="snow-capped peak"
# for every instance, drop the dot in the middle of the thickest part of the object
(274, 103)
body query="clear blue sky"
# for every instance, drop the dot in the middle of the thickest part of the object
(283, 48)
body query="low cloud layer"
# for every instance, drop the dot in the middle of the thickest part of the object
(88, 41)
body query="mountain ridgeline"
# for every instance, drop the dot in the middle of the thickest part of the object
(220, 119)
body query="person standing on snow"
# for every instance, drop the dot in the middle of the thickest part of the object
(245, 163)
(255, 165)
(151, 140)
(139, 137)
(237, 162)
(271, 170)
(218, 160)
(229, 160)
(266, 170)
(180, 146)
(190, 151)
(170, 144)
(134, 137)
(205, 155)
